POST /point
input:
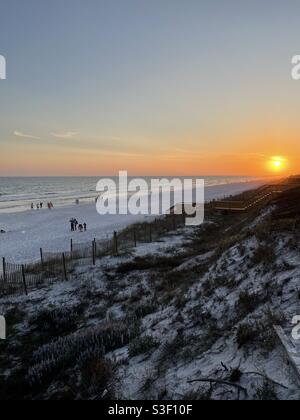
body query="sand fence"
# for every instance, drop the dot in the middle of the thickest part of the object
(23, 278)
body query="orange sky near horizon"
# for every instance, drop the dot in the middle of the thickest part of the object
(181, 163)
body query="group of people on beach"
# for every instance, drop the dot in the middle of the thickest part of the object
(76, 226)
(39, 206)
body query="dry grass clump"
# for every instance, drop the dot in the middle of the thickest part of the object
(213, 283)
(246, 333)
(142, 345)
(52, 359)
(266, 392)
(149, 262)
(260, 332)
(58, 321)
(264, 255)
(95, 376)
(247, 303)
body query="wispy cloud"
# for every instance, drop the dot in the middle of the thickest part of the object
(66, 135)
(111, 138)
(25, 136)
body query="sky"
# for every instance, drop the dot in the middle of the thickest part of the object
(155, 87)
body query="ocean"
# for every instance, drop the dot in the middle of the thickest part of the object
(17, 194)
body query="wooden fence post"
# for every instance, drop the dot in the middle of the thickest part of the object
(174, 221)
(64, 267)
(42, 257)
(168, 221)
(4, 269)
(24, 280)
(71, 248)
(183, 217)
(95, 245)
(134, 238)
(93, 251)
(115, 244)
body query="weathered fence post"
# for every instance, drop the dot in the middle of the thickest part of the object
(95, 246)
(42, 257)
(71, 248)
(93, 251)
(174, 221)
(4, 269)
(24, 280)
(64, 267)
(134, 238)
(168, 223)
(115, 244)
(183, 216)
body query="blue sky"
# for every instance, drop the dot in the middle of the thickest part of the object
(152, 84)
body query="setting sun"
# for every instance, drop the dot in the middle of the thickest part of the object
(277, 163)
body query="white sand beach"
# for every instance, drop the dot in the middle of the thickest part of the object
(27, 232)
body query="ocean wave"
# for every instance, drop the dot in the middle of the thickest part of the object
(18, 194)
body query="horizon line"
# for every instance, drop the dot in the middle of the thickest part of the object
(144, 175)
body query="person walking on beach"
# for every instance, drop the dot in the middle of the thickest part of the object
(37, 206)
(72, 221)
(41, 205)
(80, 228)
(85, 227)
(32, 206)
(76, 223)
